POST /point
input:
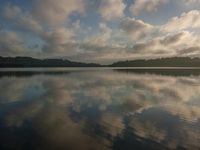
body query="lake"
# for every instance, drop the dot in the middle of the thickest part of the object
(100, 109)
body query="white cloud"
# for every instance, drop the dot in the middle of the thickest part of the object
(187, 20)
(140, 6)
(112, 9)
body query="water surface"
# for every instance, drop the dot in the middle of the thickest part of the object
(86, 109)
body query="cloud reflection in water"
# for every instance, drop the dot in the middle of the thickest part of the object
(100, 110)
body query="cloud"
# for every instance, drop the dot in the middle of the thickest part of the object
(192, 51)
(8, 85)
(171, 44)
(102, 38)
(191, 1)
(59, 36)
(59, 41)
(11, 44)
(112, 9)
(173, 39)
(147, 127)
(140, 6)
(136, 29)
(59, 30)
(52, 12)
(63, 101)
(189, 20)
(11, 11)
(20, 19)
(116, 127)
(181, 38)
(145, 46)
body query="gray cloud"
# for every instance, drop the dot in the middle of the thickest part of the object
(11, 44)
(137, 29)
(58, 38)
(21, 20)
(112, 9)
(172, 39)
(102, 38)
(193, 51)
(140, 6)
(53, 13)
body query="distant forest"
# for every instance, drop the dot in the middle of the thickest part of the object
(33, 62)
(161, 62)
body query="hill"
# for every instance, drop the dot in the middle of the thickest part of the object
(161, 62)
(33, 62)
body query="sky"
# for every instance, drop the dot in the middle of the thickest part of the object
(100, 31)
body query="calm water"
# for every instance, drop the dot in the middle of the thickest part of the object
(91, 109)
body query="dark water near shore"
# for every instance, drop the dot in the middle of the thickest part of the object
(91, 109)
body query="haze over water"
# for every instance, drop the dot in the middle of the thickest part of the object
(99, 109)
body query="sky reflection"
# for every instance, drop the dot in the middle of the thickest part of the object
(100, 110)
